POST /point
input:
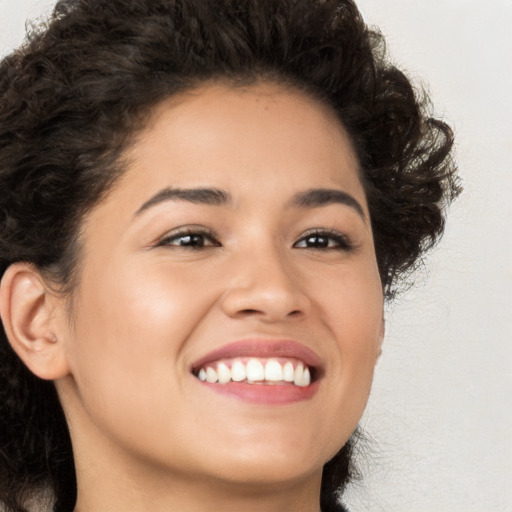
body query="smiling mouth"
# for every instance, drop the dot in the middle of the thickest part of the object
(257, 371)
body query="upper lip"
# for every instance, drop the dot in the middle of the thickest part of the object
(264, 348)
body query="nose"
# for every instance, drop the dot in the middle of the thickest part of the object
(264, 285)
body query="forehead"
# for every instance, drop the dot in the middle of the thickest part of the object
(251, 141)
(232, 123)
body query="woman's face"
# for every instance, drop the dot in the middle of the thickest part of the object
(238, 240)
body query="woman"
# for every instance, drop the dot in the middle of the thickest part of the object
(203, 207)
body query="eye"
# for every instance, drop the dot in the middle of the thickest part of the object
(321, 239)
(190, 239)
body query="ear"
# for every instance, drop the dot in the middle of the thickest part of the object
(28, 309)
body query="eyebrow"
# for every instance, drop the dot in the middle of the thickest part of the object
(317, 197)
(312, 198)
(207, 196)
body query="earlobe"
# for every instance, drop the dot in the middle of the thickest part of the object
(27, 309)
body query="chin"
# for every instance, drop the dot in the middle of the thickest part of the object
(272, 463)
(269, 472)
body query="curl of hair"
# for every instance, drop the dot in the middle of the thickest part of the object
(83, 84)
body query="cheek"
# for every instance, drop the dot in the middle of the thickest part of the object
(351, 301)
(129, 334)
(141, 309)
(126, 355)
(353, 311)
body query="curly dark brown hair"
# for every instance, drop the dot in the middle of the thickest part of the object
(82, 85)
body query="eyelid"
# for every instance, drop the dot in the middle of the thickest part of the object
(343, 241)
(188, 230)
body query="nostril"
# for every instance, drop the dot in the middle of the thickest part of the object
(252, 312)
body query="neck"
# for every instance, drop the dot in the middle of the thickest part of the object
(139, 491)
(109, 478)
(113, 474)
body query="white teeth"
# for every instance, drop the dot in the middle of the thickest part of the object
(255, 370)
(223, 373)
(298, 374)
(306, 378)
(288, 372)
(273, 371)
(238, 371)
(302, 376)
(211, 375)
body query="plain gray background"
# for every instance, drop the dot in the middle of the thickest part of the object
(439, 418)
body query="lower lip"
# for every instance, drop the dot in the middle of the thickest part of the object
(268, 394)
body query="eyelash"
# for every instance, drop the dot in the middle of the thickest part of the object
(197, 233)
(341, 242)
(197, 238)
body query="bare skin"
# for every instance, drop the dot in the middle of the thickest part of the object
(166, 279)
